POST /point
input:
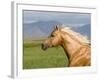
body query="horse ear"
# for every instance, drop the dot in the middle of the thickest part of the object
(57, 27)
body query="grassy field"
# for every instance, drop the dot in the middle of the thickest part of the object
(34, 57)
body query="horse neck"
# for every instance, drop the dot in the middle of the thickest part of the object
(70, 45)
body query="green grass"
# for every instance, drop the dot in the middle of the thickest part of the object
(34, 57)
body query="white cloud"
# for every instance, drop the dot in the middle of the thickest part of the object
(30, 21)
(74, 19)
(75, 25)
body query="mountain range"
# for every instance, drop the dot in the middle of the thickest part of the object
(38, 30)
(42, 29)
(84, 30)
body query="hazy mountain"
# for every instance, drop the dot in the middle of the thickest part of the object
(84, 30)
(42, 29)
(38, 30)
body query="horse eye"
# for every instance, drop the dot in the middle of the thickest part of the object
(52, 35)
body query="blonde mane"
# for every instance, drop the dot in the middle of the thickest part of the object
(78, 36)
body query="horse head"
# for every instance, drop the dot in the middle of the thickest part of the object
(54, 39)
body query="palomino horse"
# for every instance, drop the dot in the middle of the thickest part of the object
(74, 44)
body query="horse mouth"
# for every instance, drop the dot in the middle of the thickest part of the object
(44, 47)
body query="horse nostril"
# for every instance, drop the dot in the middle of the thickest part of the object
(43, 46)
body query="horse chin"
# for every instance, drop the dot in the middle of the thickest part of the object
(44, 49)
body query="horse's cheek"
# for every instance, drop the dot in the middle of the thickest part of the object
(55, 42)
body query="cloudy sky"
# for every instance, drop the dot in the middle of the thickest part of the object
(72, 19)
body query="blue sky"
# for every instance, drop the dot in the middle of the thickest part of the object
(72, 19)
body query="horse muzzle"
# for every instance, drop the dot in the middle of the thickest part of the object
(44, 46)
